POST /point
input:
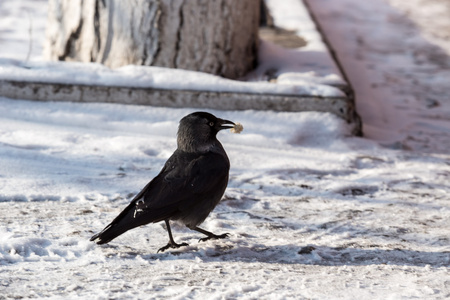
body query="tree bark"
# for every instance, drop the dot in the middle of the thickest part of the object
(213, 36)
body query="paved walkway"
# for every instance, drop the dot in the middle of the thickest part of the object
(396, 54)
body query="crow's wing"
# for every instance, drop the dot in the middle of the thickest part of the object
(185, 178)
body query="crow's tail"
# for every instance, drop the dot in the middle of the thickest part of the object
(124, 222)
(131, 218)
(108, 234)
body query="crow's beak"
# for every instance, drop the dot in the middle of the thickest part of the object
(225, 124)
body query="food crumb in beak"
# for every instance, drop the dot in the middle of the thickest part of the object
(237, 128)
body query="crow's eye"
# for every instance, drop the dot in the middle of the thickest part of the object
(211, 124)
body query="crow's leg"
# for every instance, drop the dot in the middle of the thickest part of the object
(171, 243)
(210, 235)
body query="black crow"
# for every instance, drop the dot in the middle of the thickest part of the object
(188, 187)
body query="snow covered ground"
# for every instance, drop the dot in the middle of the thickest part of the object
(312, 212)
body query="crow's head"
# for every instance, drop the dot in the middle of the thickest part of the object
(197, 131)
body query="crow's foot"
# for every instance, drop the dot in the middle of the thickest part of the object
(172, 245)
(213, 236)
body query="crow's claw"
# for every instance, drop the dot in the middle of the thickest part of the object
(214, 237)
(171, 245)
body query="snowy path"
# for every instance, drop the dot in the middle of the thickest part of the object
(312, 212)
(399, 67)
(367, 221)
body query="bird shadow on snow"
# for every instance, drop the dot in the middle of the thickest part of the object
(295, 255)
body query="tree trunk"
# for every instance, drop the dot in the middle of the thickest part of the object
(213, 36)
